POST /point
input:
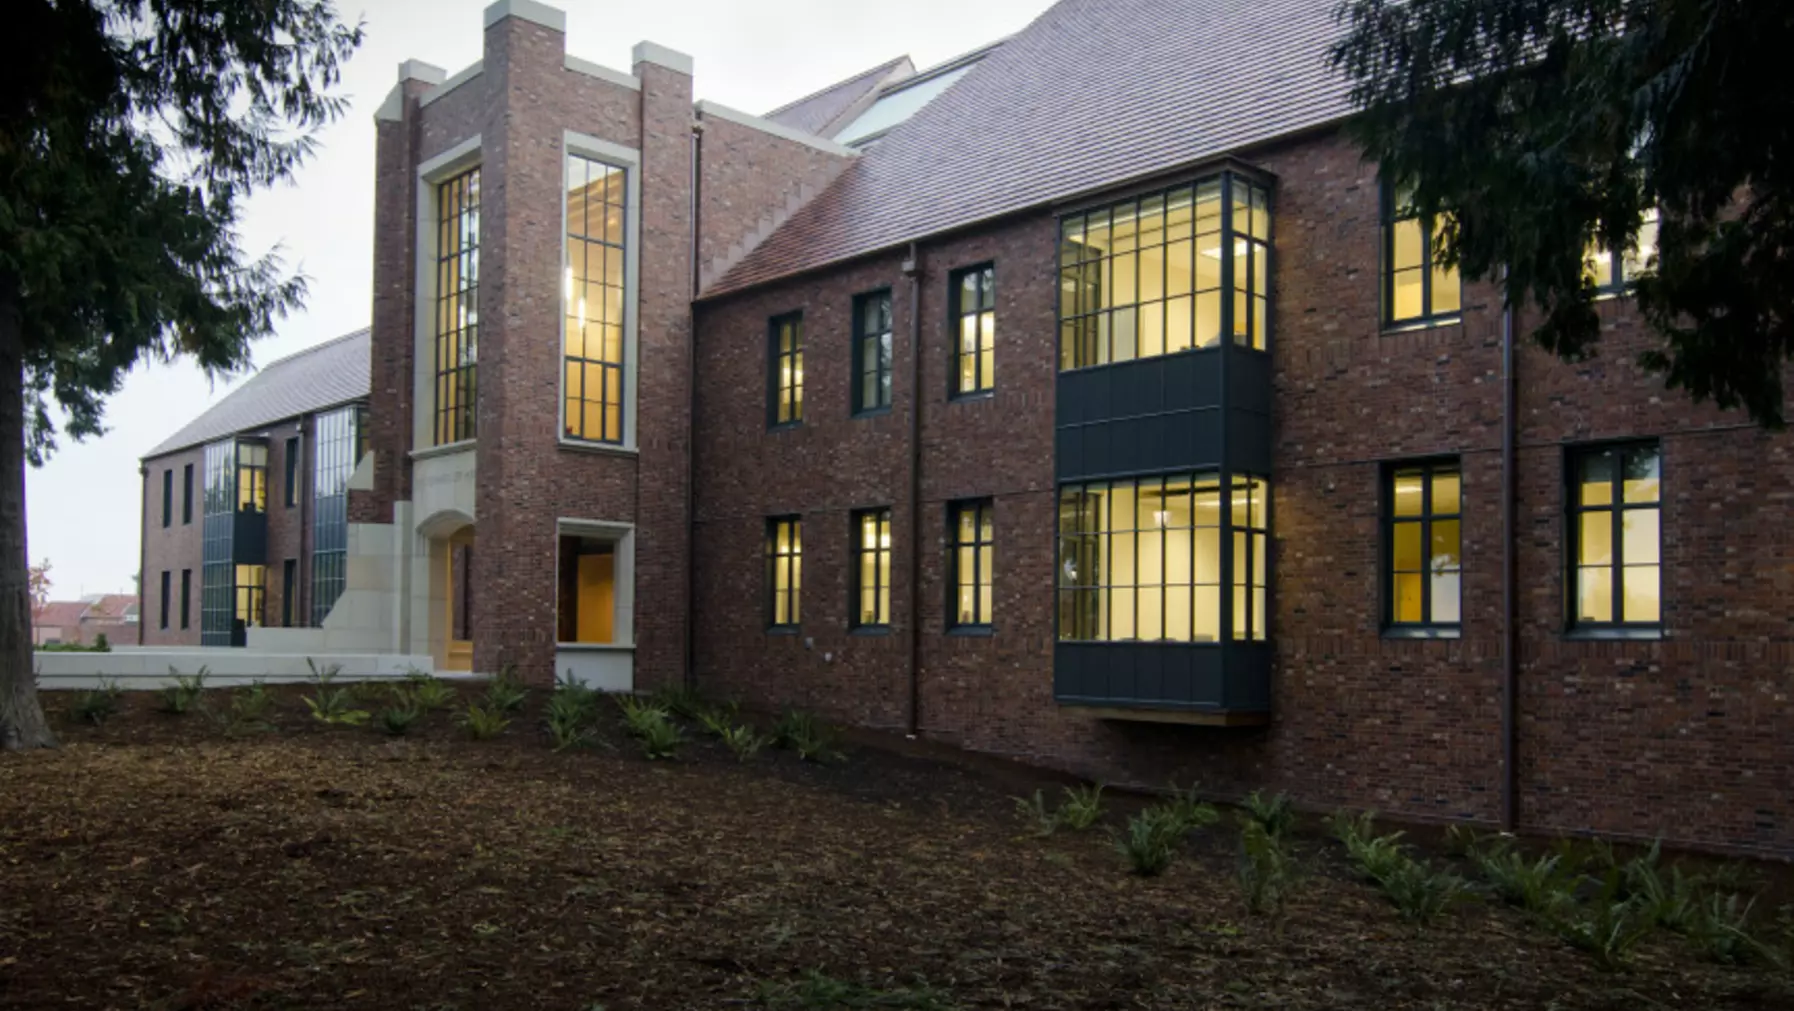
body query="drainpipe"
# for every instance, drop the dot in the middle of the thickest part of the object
(1510, 664)
(143, 472)
(912, 269)
(691, 421)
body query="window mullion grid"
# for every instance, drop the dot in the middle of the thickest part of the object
(1617, 537)
(1426, 545)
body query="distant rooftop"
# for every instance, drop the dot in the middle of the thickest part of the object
(326, 375)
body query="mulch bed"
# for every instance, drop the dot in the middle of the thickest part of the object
(157, 862)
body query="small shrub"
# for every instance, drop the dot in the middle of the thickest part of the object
(181, 697)
(98, 705)
(1274, 812)
(101, 644)
(1610, 926)
(1462, 841)
(1372, 855)
(332, 704)
(569, 715)
(398, 721)
(639, 713)
(1537, 886)
(1419, 892)
(1149, 842)
(1188, 810)
(1672, 901)
(428, 692)
(744, 741)
(249, 709)
(813, 739)
(1266, 869)
(682, 701)
(1720, 931)
(1033, 810)
(661, 738)
(1082, 807)
(506, 694)
(717, 720)
(483, 723)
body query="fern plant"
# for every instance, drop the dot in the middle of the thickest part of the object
(1274, 812)
(1720, 931)
(430, 693)
(506, 694)
(1189, 811)
(98, 705)
(1033, 810)
(398, 721)
(1538, 886)
(184, 695)
(1150, 842)
(660, 738)
(332, 704)
(483, 723)
(1266, 869)
(1420, 893)
(568, 717)
(810, 736)
(1082, 807)
(744, 741)
(1610, 926)
(249, 709)
(1373, 856)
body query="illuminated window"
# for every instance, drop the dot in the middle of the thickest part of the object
(784, 570)
(1423, 506)
(1614, 273)
(1152, 276)
(974, 299)
(1142, 559)
(786, 343)
(872, 568)
(593, 289)
(457, 305)
(1415, 288)
(251, 592)
(1615, 530)
(252, 477)
(586, 601)
(872, 352)
(972, 531)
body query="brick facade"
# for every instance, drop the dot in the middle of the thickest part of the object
(170, 549)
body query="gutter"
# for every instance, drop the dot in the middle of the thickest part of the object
(912, 269)
(143, 471)
(691, 421)
(1510, 666)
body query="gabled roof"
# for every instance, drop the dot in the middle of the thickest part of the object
(59, 614)
(817, 113)
(334, 372)
(1093, 94)
(110, 605)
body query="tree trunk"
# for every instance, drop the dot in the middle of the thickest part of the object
(22, 723)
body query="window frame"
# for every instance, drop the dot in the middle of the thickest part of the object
(167, 497)
(775, 359)
(187, 495)
(1426, 628)
(794, 563)
(859, 552)
(186, 599)
(623, 161)
(291, 492)
(885, 371)
(162, 625)
(983, 386)
(1621, 282)
(460, 423)
(1386, 200)
(981, 577)
(1574, 626)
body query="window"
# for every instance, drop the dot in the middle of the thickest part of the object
(252, 591)
(186, 598)
(289, 591)
(338, 433)
(1423, 534)
(1615, 507)
(974, 298)
(217, 577)
(1150, 276)
(1415, 288)
(1142, 559)
(787, 346)
(187, 494)
(872, 568)
(252, 477)
(872, 352)
(457, 330)
(1613, 273)
(292, 482)
(167, 497)
(586, 598)
(165, 595)
(784, 570)
(594, 287)
(972, 534)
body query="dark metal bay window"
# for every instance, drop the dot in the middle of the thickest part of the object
(594, 291)
(1423, 536)
(972, 532)
(457, 323)
(1416, 289)
(974, 298)
(1166, 273)
(784, 571)
(217, 574)
(872, 352)
(1616, 537)
(872, 568)
(785, 381)
(333, 462)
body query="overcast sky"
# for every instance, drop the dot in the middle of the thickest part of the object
(84, 504)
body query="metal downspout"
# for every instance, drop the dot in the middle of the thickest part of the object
(912, 269)
(1510, 638)
(691, 421)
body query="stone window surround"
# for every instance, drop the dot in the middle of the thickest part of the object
(629, 160)
(432, 171)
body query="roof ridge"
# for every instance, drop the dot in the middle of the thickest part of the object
(843, 82)
(321, 345)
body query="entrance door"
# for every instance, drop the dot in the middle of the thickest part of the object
(458, 565)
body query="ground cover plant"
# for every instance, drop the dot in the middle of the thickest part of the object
(171, 863)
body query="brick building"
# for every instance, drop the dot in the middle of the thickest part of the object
(1088, 399)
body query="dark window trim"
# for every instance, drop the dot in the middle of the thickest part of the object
(187, 495)
(186, 598)
(858, 553)
(1575, 628)
(858, 408)
(774, 391)
(1426, 628)
(606, 368)
(985, 386)
(1620, 285)
(165, 592)
(981, 504)
(291, 492)
(167, 498)
(773, 523)
(457, 198)
(1386, 271)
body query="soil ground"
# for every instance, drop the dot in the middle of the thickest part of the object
(161, 862)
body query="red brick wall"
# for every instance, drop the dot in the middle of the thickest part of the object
(747, 176)
(170, 548)
(289, 528)
(1683, 737)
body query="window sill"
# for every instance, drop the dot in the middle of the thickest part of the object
(869, 630)
(972, 631)
(783, 629)
(1634, 634)
(784, 426)
(872, 412)
(1428, 323)
(1423, 632)
(446, 449)
(593, 647)
(972, 396)
(596, 448)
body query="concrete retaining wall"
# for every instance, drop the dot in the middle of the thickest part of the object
(144, 668)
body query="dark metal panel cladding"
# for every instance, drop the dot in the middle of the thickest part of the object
(1164, 675)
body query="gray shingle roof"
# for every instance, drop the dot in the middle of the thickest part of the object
(1094, 93)
(334, 372)
(816, 113)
